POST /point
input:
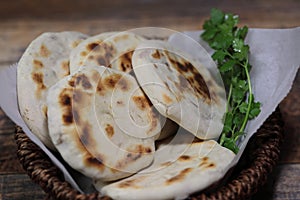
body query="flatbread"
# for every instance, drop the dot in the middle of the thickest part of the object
(180, 168)
(180, 88)
(101, 123)
(111, 49)
(45, 61)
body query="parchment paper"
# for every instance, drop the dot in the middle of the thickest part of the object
(275, 57)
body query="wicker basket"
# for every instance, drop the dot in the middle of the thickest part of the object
(257, 162)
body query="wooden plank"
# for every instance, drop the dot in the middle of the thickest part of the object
(9, 162)
(19, 187)
(287, 182)
(6, 125)
(290, 107)
(133, 9)
(16, 32)
(283, 183)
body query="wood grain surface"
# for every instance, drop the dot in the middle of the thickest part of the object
(21, 21)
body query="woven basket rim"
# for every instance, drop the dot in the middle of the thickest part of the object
(262, 154)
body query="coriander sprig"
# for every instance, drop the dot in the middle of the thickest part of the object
(232, 56)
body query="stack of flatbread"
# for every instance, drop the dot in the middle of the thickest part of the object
(137, 116)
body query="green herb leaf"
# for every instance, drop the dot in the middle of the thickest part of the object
(227, 66)
(217, 16)
(238, 119)
(243, 107)
(232, 56)
(231, 20)
(230, 144)
(220, 41)
(209, 34)
(255, 110)
(240, 89)
(242, 32)
(219, 56)
(228, 122)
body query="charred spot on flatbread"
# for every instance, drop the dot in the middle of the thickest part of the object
(93, 46)
(102, 61)
(83, 53)
(179, 177)
(65, 67)
(141, 101)
(98, 52)
(65, 101)
(134, 153)
(83, 81)
(167, 99)
(44, 51)
(153, 116)
(184, 158)
(124, 84)
(37, 64)
(112, 80)
(38, 79)
(100, 88)
(67, 117)
(109, 129)
(95, 162)
(76, 42)
(125, 61)
(156, 54)
(189, 75)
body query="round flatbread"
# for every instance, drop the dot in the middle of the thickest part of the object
(102, 123)
(112, 49)
(180, 88)
(45, 61)
(180, 167)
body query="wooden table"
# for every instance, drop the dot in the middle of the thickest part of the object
(21, 21)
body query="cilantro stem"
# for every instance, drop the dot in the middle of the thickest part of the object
(250, 98)
(229, 98)
(233, 131)
(222, 140)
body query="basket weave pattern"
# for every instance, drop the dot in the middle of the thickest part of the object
(261, 155)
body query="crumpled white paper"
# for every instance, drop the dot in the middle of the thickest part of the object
(275, 59)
